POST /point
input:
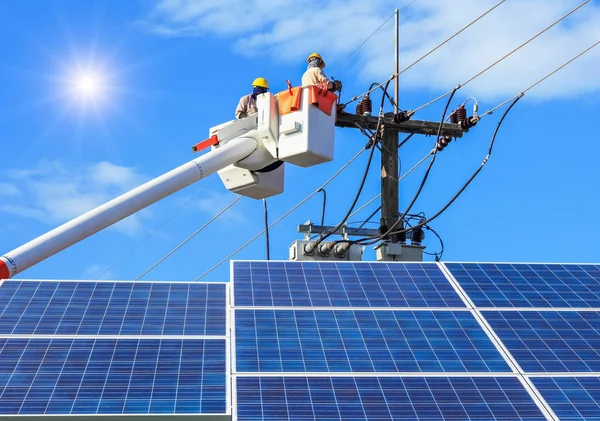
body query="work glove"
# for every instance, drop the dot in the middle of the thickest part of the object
(337, 85)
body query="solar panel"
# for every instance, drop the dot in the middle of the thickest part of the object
(362, 341)
(383, 398)
(112, 308)
(529, 285)
(550, 341)
(343, 284)
(571, 398)
(112, 376)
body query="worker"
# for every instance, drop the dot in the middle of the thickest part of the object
(315, 75)
(247, 104)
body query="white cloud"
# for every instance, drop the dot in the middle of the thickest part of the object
(288, 30)
(54, 193)
(7, 189)
(213, 202)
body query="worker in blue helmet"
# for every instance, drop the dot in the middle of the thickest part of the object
(247, 104)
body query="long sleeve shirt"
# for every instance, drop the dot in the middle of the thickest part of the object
(315, 76)
(246, 106)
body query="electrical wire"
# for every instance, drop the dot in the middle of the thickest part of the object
(438, 255)
(243, 246)
(343, 62)
(268, 249)
(427, 54)
(324, 204)
(462, 189)
(159, 226)
(540, 80)
(328, 233)
(426, 176)
(505, 56)
(162, 259)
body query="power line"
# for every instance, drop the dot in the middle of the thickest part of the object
(504, 57)
(490, 111)
(162, 259)
(340, 65)
(143, 240)
(281, 217)
(427, 54)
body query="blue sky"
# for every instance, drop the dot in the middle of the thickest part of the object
(171, 69)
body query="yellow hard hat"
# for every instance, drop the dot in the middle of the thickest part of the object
(261, 81)
(316, 55)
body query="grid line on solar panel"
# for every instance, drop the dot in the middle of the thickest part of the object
(342, 284)
(138, 308)
(362, 341)
(81, 376)
(571, 398)
(379, 398)
(529, 285)
(549, 341)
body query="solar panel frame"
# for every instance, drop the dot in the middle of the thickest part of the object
(145, 338)
(356, 340)
(72, 376)
(73, 307)
(535, 337)
(372, 397)
(427, 276)
(499, 285)
(571, 398)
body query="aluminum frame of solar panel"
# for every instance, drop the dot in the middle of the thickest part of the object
(518, 285)
(387, 285)
(112, 307)
(381, 398)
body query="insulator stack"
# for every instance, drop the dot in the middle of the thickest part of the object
(417, 235)
(442, 142)
(468, 123)
(367, 105)
(401, 117)
(461, 114)
(402, 235)
(359, 108)
(453, 117)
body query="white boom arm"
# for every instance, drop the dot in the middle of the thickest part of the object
(123, 206)
(296, 127)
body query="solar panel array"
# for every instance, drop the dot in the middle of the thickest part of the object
(381, 341)
(310, 341)
(119, 348)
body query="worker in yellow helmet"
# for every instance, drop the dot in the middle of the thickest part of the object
(247, 104)
(315, 75)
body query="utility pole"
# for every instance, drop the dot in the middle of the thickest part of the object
(390, 249)
(389, 158)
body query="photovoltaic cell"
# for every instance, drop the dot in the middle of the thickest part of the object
(102, 376)
(384, 398)
(550, 341)
(571, 398)
(112, 308)
(362, 341)
(529, 285)
(345, 284)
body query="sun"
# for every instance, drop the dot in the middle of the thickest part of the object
(88, 86)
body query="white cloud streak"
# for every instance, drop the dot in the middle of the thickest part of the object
(287, 30)
(54, 193)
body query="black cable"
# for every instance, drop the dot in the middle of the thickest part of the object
(384, 93)
(366, 221)
(324, 204)
(267, 230)
(390, 230)
(438, 255)
(316, 243)
(471, 178)
(406, 139)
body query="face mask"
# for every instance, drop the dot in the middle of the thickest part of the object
(258, 90)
